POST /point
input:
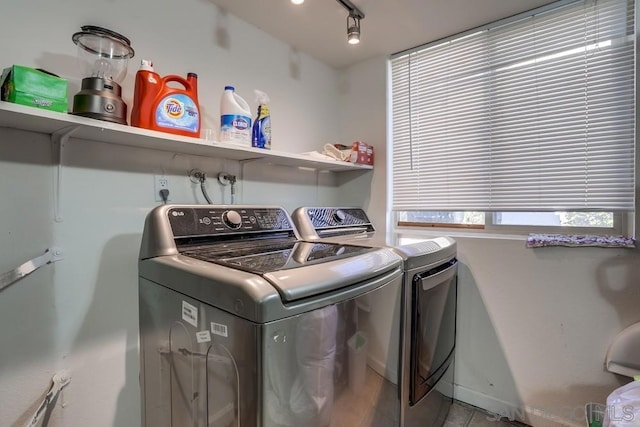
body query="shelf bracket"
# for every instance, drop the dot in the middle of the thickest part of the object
(50, 255)
(59, 139)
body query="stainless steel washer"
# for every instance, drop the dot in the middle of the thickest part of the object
(428, 308)
(244, 324)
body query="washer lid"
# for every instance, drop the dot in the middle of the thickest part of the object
(299, 269)
(324, 277)
(262, 257)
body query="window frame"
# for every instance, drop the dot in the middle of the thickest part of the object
(622, 225)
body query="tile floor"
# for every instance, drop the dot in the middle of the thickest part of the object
(464, 415)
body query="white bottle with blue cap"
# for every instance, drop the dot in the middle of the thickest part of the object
(235, 118)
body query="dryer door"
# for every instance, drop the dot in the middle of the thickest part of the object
(433, 326)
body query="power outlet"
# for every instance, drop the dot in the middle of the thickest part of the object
(161, 183)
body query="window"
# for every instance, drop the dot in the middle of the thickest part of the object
(525, 122)
(458, 219)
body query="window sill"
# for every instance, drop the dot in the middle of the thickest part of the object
(407, 234)
(579, 240)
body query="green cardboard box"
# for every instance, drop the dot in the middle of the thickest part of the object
(35, 88)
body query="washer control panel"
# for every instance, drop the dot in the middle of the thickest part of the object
(224, 220)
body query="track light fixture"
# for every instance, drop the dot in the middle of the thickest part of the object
(353, 21)
(353, 29)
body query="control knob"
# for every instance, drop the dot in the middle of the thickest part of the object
(232, 219)
(339, 216)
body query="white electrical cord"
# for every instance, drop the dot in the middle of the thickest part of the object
(58, 382)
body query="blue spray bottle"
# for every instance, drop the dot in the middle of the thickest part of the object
(261, 135)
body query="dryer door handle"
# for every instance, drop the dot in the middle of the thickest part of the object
(438, 278)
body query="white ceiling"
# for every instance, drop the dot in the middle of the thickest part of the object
(319, 27)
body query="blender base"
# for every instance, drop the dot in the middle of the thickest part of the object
(100, 99)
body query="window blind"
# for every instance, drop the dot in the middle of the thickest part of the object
(534, 115)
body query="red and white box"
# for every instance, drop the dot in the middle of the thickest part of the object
(361, 153)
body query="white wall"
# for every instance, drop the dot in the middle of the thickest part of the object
(181, 37)
(534, 325)
(363, 103)
(80, 314)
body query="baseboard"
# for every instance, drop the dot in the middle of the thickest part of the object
(518, 412)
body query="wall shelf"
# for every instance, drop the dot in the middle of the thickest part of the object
(21, 117)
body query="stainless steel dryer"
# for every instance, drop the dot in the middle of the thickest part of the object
(243, 324)
(428, 308)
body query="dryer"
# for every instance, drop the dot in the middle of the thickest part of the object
(428, 300)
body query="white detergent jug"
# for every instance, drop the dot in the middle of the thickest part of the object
(235, 118)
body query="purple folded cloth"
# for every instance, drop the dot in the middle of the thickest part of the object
(574, 240)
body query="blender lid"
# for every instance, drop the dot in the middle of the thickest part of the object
(92, 38)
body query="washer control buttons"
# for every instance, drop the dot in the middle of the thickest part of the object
(232, 219)
(339, 216)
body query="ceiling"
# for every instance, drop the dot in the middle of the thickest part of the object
(319, 27)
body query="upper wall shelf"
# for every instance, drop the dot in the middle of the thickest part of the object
(44, 121)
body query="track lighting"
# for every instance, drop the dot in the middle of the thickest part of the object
(353, 21)
(353, 29)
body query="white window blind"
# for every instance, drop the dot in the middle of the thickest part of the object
(534, 115)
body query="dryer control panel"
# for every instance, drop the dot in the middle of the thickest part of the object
(337, 217)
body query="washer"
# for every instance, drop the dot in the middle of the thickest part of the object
(427, 321)
(244, 324)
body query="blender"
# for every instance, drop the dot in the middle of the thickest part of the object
(104, 55)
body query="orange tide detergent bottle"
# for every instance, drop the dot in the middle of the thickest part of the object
(164, 108)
